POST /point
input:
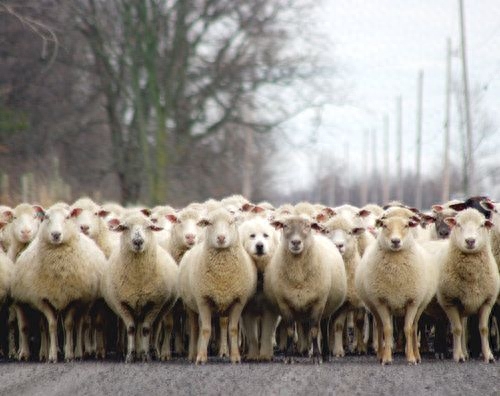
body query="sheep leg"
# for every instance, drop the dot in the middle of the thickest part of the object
(98, 331)
(410, 330)
(290, 333)
(484, 314)
(168, 327)
(282, 335)
(325, 350)
(193, 334)
(269, 323)
(387, 331)
(313, 330)
(250, 325)
(43, 354)
(12, 331)
(223, 347)
(205, 316)
(22, 322)
(79, 338)
(69, 327)
(338, 326)
(234, 319)
(456, 328)
(359, 325)
(130, 326)
(464, 338)
(51, 316)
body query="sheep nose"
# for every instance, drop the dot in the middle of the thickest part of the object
(340, 246)
(444, 233)
(221, 238)
(190, 238)
(55, 235)
(470, 242)
(25, 232)
(395, 241)
(138, 243)
(296, 242)
(84, 228)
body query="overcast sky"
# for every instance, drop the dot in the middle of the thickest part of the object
(379, 46)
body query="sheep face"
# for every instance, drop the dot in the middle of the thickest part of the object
(395, 233)
(58, 226)
(137, 233)
(469, 230)
(342, 233)
(440, 214)
(297, 233)
(185, 227)
(26, 221)
(88, 221)
(258, 237)
(221, 230)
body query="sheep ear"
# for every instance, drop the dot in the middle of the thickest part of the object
(248, 207)
(488, 224)
(428, 219)
(416, 219)
(172, 218)
(152, 227)
(76, 212)
(414, 210)
(40, 213)
(459, 206)
(3, 224)
(329, 212)
(146, 212)
(8, 215)
(257, 209)
(487, 205)
(321, 218)
(102, 213)
(278, 225)
(113, 223)
(357, 231)
(412, 223)
(203, 223)
(317, 227)
(450, 222)
(363, 213)
(437, 208)
(379, 223)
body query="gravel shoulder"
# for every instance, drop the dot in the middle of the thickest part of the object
(351, 375)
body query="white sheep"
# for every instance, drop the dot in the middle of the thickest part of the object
(259, 321)
(396, 277)
(58, 274)
(26, 220)
(357, 216)
(305, 280)
(216, 277)
(159, 217)
(469, 282)
(140, 283)
(343, 232)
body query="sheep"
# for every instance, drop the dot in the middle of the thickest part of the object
(26, 220)
(357, 216)
(439, 229)
(57, 274)
(259, 240)
(5, 217)
(6, 269)
(469, 281)
(216, 277)
(396, 277)
(305, 281)
(140, 283)
(184, 234)
(343, 233)
(369, 221)
(159, 217)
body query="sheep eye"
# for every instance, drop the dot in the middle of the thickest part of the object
(252, 236)
(266, 236)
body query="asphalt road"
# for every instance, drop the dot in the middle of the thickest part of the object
(347, 376)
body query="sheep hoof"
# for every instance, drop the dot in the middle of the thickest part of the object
(146, 357)
(201, 359)
(130, 357)
(288, 360)
(386, 362)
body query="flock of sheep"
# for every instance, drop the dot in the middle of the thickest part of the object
(237, 279)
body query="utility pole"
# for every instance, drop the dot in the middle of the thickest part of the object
(399, 147)
(374, 181)
(445, 197)
(418, 164)
(470, 180)
(364, 181)
(386, 188)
